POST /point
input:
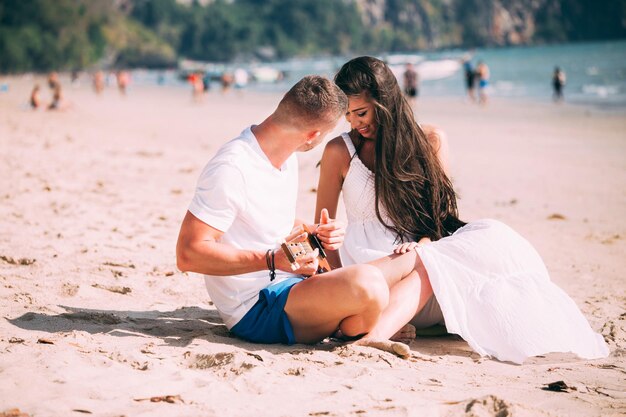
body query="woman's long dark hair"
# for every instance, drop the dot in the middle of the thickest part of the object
(409, 180)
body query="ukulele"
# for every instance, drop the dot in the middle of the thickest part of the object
(295, 250)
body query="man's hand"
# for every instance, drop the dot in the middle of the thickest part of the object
(330, 232)
(308, 263)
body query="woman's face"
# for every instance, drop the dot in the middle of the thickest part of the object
(361, 115)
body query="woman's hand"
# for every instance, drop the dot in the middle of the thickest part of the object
(409, 246)
(330, 232)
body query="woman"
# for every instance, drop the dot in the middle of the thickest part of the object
(483, 280)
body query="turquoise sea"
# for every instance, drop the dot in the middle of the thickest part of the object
(596, 71)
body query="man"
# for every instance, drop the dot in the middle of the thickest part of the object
(470, 77)
(410, 83)
(245, 203)
(558, 82)
(482, 72)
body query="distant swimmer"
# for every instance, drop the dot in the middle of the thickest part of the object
(482, 73)
(558, 82)
(470, 78)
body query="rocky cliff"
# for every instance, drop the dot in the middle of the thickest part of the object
(436, 23)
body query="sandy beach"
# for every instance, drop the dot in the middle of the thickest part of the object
(97, 320)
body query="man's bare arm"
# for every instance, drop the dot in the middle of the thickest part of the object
(198, 250)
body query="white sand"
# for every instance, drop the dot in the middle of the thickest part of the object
(91, 200)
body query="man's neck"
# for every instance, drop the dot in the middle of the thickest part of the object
(275, 142)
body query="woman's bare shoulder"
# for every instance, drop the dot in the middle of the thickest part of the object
(336, 149)
(336, 157)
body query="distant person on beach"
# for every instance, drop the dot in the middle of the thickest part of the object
(206, 82)
(53, 80)
(482, 73)
(75, 78)
(245, 202)
(240, 78)
(226, 80)
(411, 80)
(482, 280)
(197, 85)
(470, 79)
(558, 82)
(57, 102)
(98, 82)
(35, 97)
(123, 79)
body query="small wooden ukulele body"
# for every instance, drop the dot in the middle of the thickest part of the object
(295, 250)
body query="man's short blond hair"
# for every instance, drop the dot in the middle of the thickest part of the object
(313, 102)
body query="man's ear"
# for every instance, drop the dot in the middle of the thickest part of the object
(310, 137)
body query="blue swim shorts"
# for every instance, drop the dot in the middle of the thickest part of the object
(266, 321)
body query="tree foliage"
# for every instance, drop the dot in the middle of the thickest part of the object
(41, 35)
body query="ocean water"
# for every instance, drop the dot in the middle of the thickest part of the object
(596, 72)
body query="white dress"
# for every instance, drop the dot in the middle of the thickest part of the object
(492, 286)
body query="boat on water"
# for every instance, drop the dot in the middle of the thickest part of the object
(427, 69)
(215, 71)
(266, 74)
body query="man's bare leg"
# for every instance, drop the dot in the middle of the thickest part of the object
(350, 299)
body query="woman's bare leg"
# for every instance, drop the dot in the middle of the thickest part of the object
(409, 291)
(406, 299)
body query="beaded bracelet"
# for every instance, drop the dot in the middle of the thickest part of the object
(270, 263)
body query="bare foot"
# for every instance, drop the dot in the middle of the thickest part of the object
(405, 335)
(397, 348)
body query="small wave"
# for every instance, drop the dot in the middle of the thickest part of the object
(601, 90)
(505, 85)
(403, 59)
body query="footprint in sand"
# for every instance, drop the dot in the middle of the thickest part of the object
(611, 239)
(295, 371)
(489, 405)
(14, 412)
(93, 317)
(69, 290)
(614, 331)
(20, 261)
(225, 364)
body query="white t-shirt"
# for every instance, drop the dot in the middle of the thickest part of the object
(243, 195)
